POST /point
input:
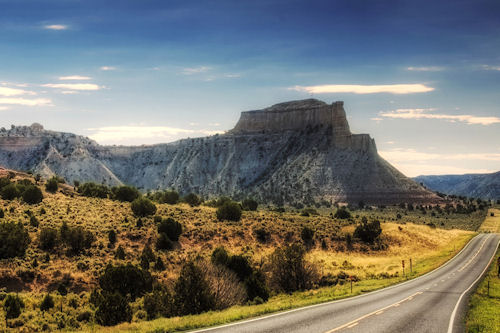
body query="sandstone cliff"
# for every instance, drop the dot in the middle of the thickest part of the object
(299, 151)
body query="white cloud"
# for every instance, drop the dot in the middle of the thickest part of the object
(144, 134)
(402, 155)
(232, 75)
(413, 163)
(26, 102)
(73, 86)
(69, 92)
(365, 89)
(75, 78)
(195, 70)
(6, 91)
(3, 108)
(56, 27)
(423, 114)
(491, 68)
(425, 69)
(107, 68)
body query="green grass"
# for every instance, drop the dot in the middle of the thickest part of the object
(285, 302)
(484, 307)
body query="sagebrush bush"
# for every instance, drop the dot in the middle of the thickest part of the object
(192, 199)
(13, 306)
(14, 240)
(126, 280)
(112, 308)
(368, 232)
(192, 291)
(143, 207)
(171, 228)
(48, 239)
(249, 204)
(52, 185)
(125, 193)
(230, 211)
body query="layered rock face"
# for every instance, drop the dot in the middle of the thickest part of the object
(299, 151)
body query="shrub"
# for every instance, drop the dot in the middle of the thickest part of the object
(249, 204)
(125, 193)
(192, 291)
(47, 303)
(170, 197)
(12, 306)
(79, 239)
(2, 214)
(126, 280)
(32, 195)
(309, 211)
(93, 190)
(112, 309)
(290, 271)
(171, 228)
(4, 181)
(48, 239)
(120, 253)
(256, 287)
(10, 192)
(159, 265)
(159, 303)
(143, 207)
(229, 211)
(52, 185)
(342, 213)
(240, 265)
(262, 235)
(368, 231)
(307, 235)
(34, 221)
(220, 256)
(163, 242)
(226, 288)
(192, 199)
(112, 237)
(14, 240)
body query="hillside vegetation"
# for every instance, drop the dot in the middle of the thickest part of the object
(79, 241)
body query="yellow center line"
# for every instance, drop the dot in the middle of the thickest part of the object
(356, 321)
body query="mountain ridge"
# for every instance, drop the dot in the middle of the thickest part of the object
(485, 186)
(298, 151)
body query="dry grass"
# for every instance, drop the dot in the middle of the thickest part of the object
(491, 223)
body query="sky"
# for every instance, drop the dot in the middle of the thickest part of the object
(421, 77)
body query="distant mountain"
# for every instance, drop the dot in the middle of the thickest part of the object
(486, 186)
(299, 151)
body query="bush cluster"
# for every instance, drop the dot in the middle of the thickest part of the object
(94, 190)
(368, 232)
(14, 240)
(143, 207)
(169, 231)
(170, 197)
(125, 193)
(230, 211)
(24, 188)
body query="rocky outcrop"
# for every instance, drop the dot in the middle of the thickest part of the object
(299, 151)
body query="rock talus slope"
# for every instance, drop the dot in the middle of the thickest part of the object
(299, 151)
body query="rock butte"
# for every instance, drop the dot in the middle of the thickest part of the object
(298, 151)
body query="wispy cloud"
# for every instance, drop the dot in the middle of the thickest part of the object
(413, 163)
(144, 134)
(26, 102)
(56, 27)
(74, 78)
(425, 69)
(3, 108)
(365, 89)
(424, 114)
(73, 86)
(491, 68)
(107, 68)
(195, 70)
(6, 91)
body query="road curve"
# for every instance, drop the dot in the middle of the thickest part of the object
(434, 302)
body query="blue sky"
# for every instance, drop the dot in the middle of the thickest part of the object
(422, 77)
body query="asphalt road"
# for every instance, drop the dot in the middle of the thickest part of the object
(435, 302)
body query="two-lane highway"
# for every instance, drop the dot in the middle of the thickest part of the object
(434, 302)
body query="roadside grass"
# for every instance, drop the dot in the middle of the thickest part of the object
(484, 307)
(491, 223)
(283, 302)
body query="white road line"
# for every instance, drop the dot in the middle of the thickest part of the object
(454, 313)
(357, 320)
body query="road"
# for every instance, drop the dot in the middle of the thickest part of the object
(434, 302)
